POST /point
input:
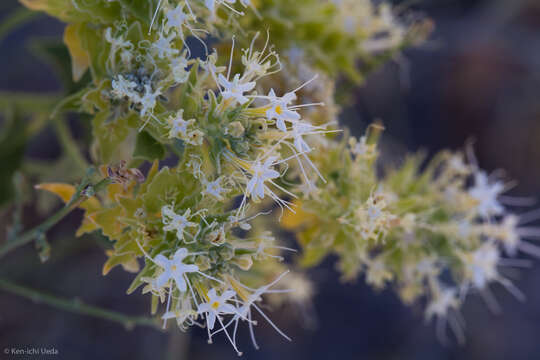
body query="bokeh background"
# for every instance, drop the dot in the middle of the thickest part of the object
(478, 78)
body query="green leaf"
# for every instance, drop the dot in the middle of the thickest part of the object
(109, 133)
(141, 9)
(162, 187)
(147, 148)
(96, 47)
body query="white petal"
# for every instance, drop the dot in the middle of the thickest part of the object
(162, 279)
(180, 282)
(161, 261)
(180, 254)
(211, 319)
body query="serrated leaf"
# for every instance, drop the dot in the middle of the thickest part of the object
(128, 262)
(107, 221)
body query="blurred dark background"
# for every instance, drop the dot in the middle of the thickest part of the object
(477, 78)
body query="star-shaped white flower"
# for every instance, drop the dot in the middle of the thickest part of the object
(279, 110)
(149, 99)
(175, 222)
(216, 305)
(260, 172)
(174, 269)
(213, 188)
(163, 47)
(235, 89)
(176, 18)
(486, 194)
(179, 126)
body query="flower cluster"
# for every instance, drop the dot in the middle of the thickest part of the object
(436, 232)
(248, 125)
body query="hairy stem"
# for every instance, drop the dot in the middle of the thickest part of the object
(77, 306)
(69, 144)
(84, 191)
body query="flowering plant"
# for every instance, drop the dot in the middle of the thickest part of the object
(207, 115)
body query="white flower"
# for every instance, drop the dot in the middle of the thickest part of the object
(213, 188)
(215, 306)
(149, 99)
(118, 43)
(261, 172)
(235, 89)
(176, 222)
(279, 109)
(249, 302)
(163, 47)
(443, 301)
(481, 265)
(508, 234)
(179, 126)
(299, 129)
(176, 18)
(486, 194)
(174, 269)
(195, 164)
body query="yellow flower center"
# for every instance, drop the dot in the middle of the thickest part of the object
(215, 305)
(279, 110)
(173, 268)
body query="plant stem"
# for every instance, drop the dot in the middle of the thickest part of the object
(29, 102)
(15, 19)
(78, 198)
(69, 145)
(77, 306)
